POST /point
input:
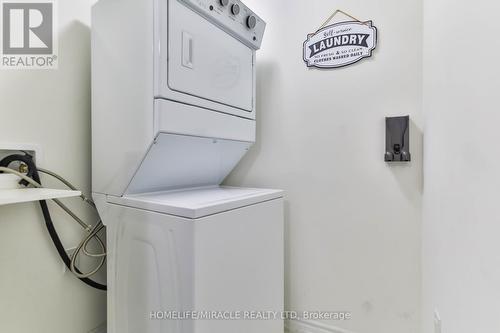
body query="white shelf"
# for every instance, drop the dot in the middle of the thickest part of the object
(12, 196)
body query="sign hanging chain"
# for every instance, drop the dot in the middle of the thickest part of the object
(335, 13)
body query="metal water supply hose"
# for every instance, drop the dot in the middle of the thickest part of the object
(32, 178)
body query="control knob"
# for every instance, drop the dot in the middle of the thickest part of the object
(251, 22)
(235, 9)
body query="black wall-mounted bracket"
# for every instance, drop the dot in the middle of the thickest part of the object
(397, 139)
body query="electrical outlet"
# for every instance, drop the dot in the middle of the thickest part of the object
(437, 322)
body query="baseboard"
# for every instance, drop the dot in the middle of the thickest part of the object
(309, 326)
(291, 326)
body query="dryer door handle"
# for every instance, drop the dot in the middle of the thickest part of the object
(187, 50)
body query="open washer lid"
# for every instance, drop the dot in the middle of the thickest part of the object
(197, 202)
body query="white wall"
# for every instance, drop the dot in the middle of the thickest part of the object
(51, 108)
(353, 222)
(461, 210)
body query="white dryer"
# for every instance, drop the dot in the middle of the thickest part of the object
(173, 112)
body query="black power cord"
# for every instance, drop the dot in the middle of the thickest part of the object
(33, 173)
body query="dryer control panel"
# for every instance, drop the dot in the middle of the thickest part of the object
(233, 17)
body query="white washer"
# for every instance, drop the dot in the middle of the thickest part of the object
(210, 249)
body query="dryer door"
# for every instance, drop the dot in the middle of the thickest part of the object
(206, 62)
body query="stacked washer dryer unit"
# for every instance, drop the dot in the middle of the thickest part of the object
(173, 112)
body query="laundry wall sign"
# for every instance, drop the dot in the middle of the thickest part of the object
(340, 44)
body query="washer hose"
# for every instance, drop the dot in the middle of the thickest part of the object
(33, 173)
